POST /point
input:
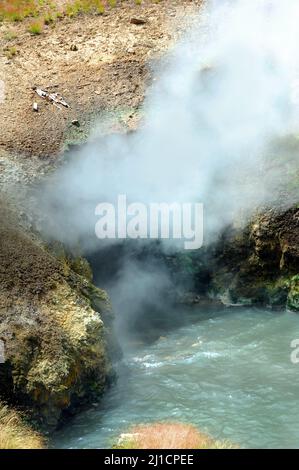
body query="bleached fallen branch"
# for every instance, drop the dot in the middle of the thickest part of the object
(54, 98)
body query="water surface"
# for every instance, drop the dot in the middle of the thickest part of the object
(228, 372)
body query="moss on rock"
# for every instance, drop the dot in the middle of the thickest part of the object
(293, 296)
(256, 265)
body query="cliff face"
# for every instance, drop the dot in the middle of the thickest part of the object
(259, 265)
(51, 322)
(256, 265)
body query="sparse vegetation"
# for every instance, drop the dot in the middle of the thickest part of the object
(10, 52)
(169, 436)
(35, 28)
(49, 18)
(17, 10)
(15, 433)
(48, 11)
(10, 35)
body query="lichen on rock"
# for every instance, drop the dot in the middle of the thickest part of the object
(257, 265)
(293, 296)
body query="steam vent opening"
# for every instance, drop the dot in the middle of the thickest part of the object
(147, 287)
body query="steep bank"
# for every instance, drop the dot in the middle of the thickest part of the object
(259, 265)
(254, 265)
(56, 353)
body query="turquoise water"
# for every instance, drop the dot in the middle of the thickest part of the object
(229, 372)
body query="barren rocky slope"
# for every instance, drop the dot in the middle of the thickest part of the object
(100, 64)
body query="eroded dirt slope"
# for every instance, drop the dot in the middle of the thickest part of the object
(98, 63)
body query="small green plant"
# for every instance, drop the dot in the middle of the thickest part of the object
(10, 35)
(71, 11)
(58, 15)
(48, 18)
(35, 28)
(11, 52)
(99, 6)
(86, 6)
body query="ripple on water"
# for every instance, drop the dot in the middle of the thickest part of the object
(228, 373)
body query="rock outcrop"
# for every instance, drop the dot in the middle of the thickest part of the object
(55, 326)
(253, 265)
(259, 265)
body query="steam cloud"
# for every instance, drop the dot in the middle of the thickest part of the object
(226, 93)
(225, 97)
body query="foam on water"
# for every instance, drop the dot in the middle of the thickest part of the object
(228, 372)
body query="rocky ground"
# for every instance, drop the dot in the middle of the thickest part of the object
(99, 63)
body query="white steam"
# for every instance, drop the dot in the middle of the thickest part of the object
(224, 96)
